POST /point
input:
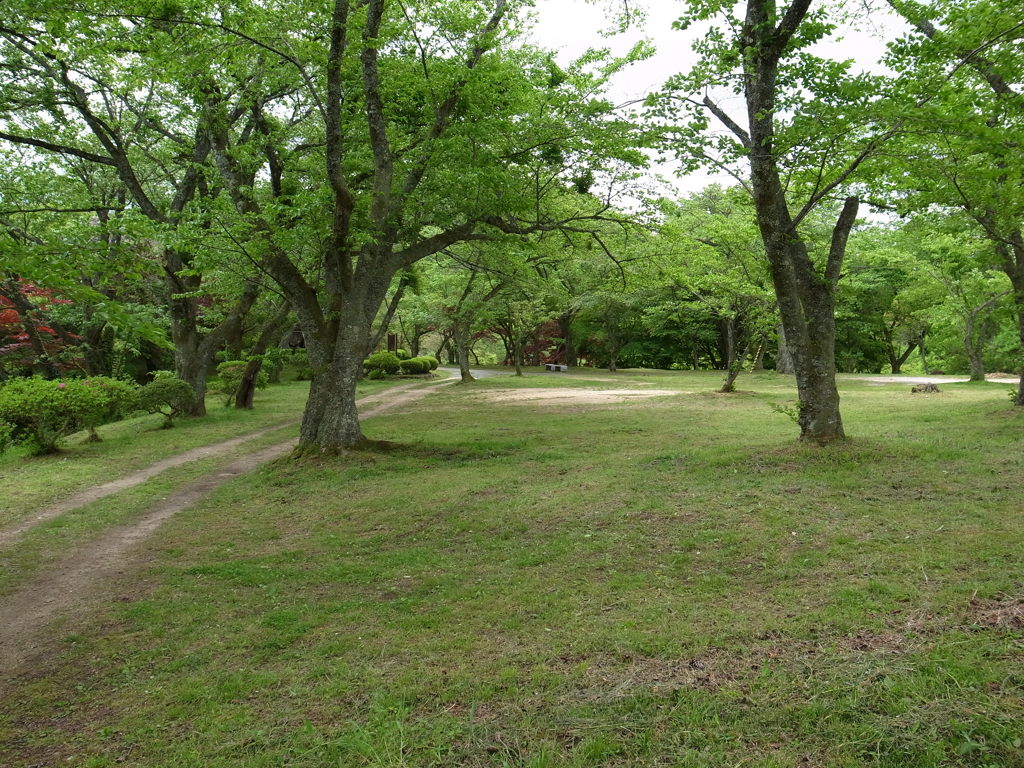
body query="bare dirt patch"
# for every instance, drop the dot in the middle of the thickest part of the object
(1003, 612)
(558, 396)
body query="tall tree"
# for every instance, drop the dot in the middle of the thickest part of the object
(74, 85)
(965, 152)
(434, 131)
(804, 134)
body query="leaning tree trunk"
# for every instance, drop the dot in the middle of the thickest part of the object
(246, 392)
(194, 353)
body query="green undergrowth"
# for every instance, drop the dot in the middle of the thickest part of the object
(665, 582)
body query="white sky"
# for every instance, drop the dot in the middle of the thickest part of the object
(570, 27)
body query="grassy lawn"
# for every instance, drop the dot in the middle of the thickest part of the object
(535, 583)
(29, 483)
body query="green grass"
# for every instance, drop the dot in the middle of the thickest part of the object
(29, 483)
(670, 582)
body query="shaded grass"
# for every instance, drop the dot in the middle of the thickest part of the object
(672, 582)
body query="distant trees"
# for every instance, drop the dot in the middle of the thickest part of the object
(965, 152)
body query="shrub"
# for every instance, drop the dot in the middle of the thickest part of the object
(229, 377)
(118, 398)
(375, 374)
(40, 412)
(401, 354)
(274, 360)
(433, 362)
(415, 365)
(6, 436)
(167, 395)
(382, 361)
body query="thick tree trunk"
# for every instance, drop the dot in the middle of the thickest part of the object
(330, 423)
(784, 359)
(192, 367)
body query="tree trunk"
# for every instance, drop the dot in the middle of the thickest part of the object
(734, 362)
(565, 328)
(330, 423)
(517, 355)
(460, 340)
(757, 364)
(1018, 302)
(246, 392)
(194, 353)
(784, 360)
(975, 361)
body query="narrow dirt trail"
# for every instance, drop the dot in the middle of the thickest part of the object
(64, 590)
(10, 534)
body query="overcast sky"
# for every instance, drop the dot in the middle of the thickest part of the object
(570, 27)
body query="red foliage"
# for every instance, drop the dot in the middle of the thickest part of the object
(15, 347)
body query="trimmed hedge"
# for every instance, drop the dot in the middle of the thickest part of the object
(37, 412)
(167, 395)
(382, 361)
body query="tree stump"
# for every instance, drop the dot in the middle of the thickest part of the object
(927, 388)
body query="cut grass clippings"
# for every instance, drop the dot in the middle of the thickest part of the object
(670, 582)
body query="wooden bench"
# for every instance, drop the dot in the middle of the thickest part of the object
(556, 367)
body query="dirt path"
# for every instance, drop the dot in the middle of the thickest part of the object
(97, 492)
(64, 589)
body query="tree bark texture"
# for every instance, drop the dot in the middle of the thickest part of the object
(805, 297)
(246, 392)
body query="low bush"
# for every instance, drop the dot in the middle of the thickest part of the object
(167, 395)
(39, 412)
(433, 362)
(382, 361)
(119, 399)
(415, 365)
(402, 354)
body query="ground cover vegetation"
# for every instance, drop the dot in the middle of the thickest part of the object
(540, 582)
(290, 206)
